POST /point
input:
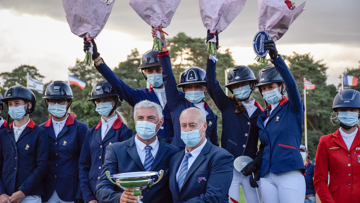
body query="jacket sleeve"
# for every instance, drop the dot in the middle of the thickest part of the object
(105, 190)
(84, 169)
(2, 188)
(42, 153)
(121, 88)
(213, 87)
(214, 134)
(171, 91)
(216, 191)
(82, 132)
(291, 87)
(321, 173)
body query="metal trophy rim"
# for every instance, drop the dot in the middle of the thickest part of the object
(261, 32)
(138, 174)
(239, 160)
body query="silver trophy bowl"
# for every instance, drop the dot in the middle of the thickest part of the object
(135, 181)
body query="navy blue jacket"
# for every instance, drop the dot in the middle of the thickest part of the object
(63, 165)
(281, 137)
(23, 163)
(122, 157)
(93, 155)
(240, 132)
(177, 103)
(3, 125)
(309, 175)
(134, 96)
(207, 180)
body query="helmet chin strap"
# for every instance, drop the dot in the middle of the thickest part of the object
(114, 108)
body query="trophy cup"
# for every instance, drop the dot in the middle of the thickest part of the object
(135, 181)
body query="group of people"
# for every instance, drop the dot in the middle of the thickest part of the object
(63, 161)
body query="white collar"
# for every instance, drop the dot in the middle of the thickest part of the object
(196, 152)
(273, 106)
(60, 122)
(109, 121)
(159, 90)
(346, 135)
(21, 127)
(250, 104)
(142, 145)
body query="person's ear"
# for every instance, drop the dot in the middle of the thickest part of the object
(29, 105)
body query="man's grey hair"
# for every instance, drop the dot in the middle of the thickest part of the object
(146, 104)
(200, 113)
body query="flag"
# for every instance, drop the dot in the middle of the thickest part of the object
(350, 80)
(76, 81)
(35, 85)
(308, 85)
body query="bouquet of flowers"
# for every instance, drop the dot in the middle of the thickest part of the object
(156, 13)
(276, 16)
(87, 18)
(216, 16)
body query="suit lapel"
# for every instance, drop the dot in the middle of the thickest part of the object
(160, 154)
(24, 133)
(51, 132)
(275, 111)
(339, 140)
(63, 131)
(108, 135)
(98, 135)
(177, 162)
(132, 151)
(12, 137)
(356, 141)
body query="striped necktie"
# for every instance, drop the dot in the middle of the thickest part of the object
(183, 170)
(149, 159)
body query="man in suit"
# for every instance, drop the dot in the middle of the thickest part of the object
(142, 152)
(202, 172)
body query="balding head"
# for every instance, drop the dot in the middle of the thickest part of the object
(193, 119)
(195, 114)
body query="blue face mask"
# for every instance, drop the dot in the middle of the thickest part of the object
(104, 108)
(145, 129)
(155, 79)
(242, 93)
(272, 96)
(57, 110)
(194, 96)
(17, 113)
(191, 138)
(348, 118)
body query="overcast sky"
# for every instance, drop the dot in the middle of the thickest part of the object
(36, 33)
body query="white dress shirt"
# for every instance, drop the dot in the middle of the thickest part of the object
(273, 106)
(58, 125)
(106, 125)
(1, 121)
(201, 106)
(19, 130)
(194, 154)
(348, 138)
(160, 93)
(250, 107)
(140, 147)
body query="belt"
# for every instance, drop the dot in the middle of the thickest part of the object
(308, 196)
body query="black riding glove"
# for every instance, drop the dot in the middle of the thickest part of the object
(253, 180)
(79, 201)
(250, 168)
(211, 36)
(270, 45)
(87, 47)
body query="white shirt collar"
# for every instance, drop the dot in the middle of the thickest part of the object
(195, 153)
(60, 122)
(110, 121)
(1, 121)
(273, 106)
(201, 105)
(21, 127)
(142, 145)
(346, 135)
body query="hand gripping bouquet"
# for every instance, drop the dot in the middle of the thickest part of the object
(156, 13)
(275, 18)
(87, 18)
(216, 16)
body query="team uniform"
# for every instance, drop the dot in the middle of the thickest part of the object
(177, 102)
(240, 131)
(310, 190)
(3, 123)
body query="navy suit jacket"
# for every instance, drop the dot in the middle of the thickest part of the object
(3, 125)
(23, 163)
(208, 178)
(122, 157)
(177, 103)
(281, 137)
(63, 165)
(134, 96)
(93, 155)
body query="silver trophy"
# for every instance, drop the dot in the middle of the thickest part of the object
(135, 181)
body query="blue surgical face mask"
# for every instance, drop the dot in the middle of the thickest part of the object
(57, 110)
(348, 118)
(272, 96)
(155, 79)
(194, 96)
(145, 129)
(17, 113)
(242, 93)
(104, 108)
(191, 138)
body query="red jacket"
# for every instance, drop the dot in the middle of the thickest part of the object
(344, 166)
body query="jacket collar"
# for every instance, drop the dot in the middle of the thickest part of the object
(69, 121)
(340, 141)
(282, 101)
(116, 125)
(206, 105)
(259, 106)
(5, 123)
(31, 124)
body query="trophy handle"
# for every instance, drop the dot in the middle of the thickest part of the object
(108, 176)
(160, 175)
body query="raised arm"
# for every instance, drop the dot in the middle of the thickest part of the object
(213, 87)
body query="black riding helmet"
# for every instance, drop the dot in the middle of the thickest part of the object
(348, 98)
(103, 89)
(58, 90)
(192, 75)
(20, 92)
(148, 60)
(239, 74)
(270, 75)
